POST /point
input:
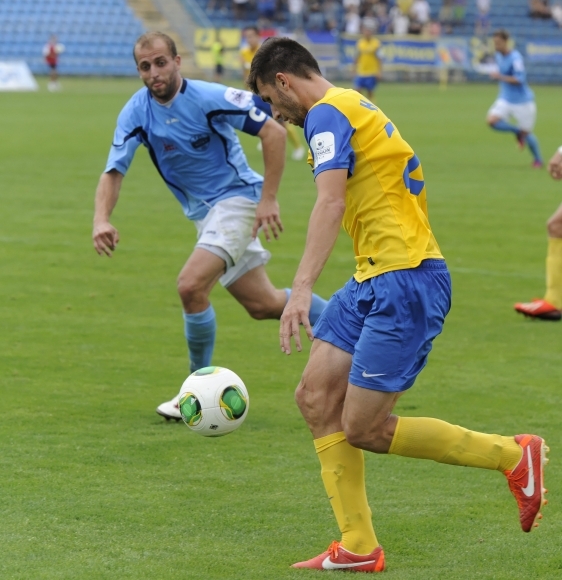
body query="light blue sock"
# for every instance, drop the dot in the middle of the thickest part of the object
(200, 331)
(502, 125)
(317, 306)
(533, 144)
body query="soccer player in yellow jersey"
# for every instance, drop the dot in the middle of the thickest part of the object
(373, 338)
(253, 41)
(550, 307)
(367, 62)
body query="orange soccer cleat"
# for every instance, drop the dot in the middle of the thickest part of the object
(539, 308)
(338, 558)
(526, 481)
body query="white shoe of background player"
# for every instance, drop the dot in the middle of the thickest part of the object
(297, 154)
(170, 409)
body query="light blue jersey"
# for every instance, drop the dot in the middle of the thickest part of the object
(512, 65)
(192, 142)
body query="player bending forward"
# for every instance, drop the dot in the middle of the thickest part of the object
(550, 307)
(188, 128)
(516, 99)
(373, 338)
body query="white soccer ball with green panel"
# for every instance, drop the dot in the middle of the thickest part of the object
(213, 401)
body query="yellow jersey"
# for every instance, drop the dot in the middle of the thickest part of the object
(247, 54)
(386, 206)
(368, 63)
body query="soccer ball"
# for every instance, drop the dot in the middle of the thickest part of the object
(213, 401)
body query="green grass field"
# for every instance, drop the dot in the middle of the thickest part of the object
(94, 485)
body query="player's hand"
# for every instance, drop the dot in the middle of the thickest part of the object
(105, 238)
(555, 166)
(268, 218)
(495, 75)
(295, 313)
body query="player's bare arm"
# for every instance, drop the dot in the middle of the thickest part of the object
(323, 230)
(105, 236)
(273, 137)
(504, 78)
(555, 165)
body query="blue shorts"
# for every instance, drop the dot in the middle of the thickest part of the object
(388, 324)
(368, 83)
(262, 105)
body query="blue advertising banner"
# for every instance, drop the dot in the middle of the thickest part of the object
(544, 51)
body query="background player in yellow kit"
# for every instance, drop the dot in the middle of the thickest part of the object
(252, 37)
(374, 337)
(367, 62)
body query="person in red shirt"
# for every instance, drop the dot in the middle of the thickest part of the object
(51, 52)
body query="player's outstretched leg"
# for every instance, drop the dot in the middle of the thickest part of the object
(521, 458)
(549, 307)
(533, 144)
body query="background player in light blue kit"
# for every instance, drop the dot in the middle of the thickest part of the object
(188, 128)
(516, 99)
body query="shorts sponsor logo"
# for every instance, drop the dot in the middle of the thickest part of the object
(324, 147)
(368, 376)
(238, 97)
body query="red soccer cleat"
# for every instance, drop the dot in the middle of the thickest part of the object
(526, 481)
(338, 558)
(539, 308)
(537, 164)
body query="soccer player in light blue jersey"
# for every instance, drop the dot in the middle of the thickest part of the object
(188, 127)
(516, 99)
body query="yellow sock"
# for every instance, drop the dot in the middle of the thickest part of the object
(292, 134)
(343, 474)
(426, 438)
(554, 272)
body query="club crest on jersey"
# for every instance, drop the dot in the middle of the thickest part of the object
(324, 147)
(200, 142)
(238, 97)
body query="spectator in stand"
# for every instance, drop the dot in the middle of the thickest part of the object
(331, 9)
(539, 9)
(400, 21)
(296, 14)
(352, 20)
(434, 28)
(266, 13)
(446, 16)
(419, 16)
(51, 51)
(240, 9)
(482, 17)
(383, 18)
(220, 5)
(459, 11)
(557, 14)
(369, 21)
(315, 20)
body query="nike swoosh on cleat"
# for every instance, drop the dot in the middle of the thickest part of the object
(327, 564)
(529, 489)
(366, 375)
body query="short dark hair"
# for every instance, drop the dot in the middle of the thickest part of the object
(254, 28)
(148, 38)
(501, 33)
(280, 55)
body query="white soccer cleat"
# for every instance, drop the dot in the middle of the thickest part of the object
(170, 409)
(297, 154)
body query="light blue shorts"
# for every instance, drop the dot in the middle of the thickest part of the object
(388, 324)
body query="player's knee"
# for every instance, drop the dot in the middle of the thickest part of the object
(369, 437)
(554, 227)
(189, 289)
(258, 311)
(491, 121)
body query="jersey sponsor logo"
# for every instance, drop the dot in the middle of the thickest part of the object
(324, 145)
(169, 147)
(257, 115)
(200, 142)
(172, 120)
(238, 97)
